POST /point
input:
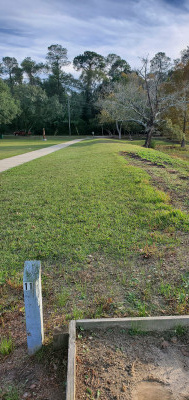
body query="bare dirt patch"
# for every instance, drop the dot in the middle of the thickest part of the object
(144, 160)
(115, 365)
(168, 180)
(100, 289)
(42, 376)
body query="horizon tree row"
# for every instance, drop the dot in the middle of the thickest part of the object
(108, 96)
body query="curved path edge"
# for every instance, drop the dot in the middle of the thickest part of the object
(14, 161)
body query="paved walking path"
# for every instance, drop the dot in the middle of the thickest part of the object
(11, 162)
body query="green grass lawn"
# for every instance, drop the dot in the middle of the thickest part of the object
(111, 241)
(13, 146)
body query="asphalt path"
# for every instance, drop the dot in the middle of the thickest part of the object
(12, 162)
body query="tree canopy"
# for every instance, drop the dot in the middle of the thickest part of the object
(9, 107)
(108, 93)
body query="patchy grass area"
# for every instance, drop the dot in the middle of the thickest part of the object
(174, 150)
(109, 222)
(161, 158)
(13, 146)
(167, 146)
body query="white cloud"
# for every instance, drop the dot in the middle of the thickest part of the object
(129, 28)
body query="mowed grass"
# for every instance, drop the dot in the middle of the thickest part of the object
(14, 146)
(101, 229)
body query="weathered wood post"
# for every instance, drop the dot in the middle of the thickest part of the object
(33, 305)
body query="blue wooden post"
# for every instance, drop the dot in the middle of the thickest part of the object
(33, 305)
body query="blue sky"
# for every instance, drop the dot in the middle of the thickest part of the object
(129, 28)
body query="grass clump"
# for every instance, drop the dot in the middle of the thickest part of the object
(6, 346)
(11, 393)
(134, 331)
(180, 330)
(63, 298)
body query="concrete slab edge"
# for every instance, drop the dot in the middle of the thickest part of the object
(71, 369)
(142, 323)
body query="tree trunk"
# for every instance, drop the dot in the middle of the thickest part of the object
(118, 129)
(183, 142)
(147, 143)
(76, 128)
(109, 132)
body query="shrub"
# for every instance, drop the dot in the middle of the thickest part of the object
(171, 131)
(152, 144)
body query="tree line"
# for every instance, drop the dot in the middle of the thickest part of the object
(108, 97)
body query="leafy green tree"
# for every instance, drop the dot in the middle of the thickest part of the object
(160, 65)
(9, 107)
(31, 68)
(67, 81)
(116, 66)
(54, 114)
(74, 112)
(18, 75)
(33, 101)
(1, 69)
(10, 66)
(56, 59)
(170, 130)
(38, 110)
(92, 67)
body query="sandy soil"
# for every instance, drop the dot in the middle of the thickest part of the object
(116, 365)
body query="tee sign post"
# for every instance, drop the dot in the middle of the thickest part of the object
(33, 305)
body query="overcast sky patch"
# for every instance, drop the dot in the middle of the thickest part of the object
(129, 28)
